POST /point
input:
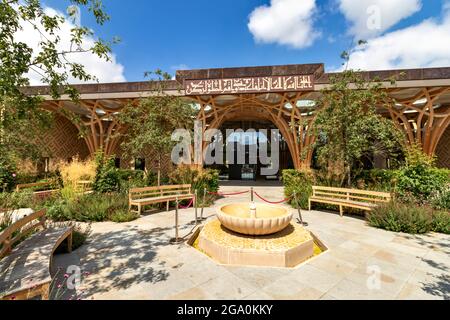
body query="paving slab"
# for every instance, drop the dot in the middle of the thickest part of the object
(350, 290)
(135, 260)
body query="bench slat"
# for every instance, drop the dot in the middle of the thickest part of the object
(27, 230)
(360, 203)
(344, 204)
(162, 199)
(28, 266)
(33, 185)
(158, 192)
(160, 196)
(181, 186)
(354, 191)
(370, 199)
(140, 197)
(348, 197)
(21, 223)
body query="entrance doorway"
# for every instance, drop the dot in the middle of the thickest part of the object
(248, 142)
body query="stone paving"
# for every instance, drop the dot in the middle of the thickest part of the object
(135, 261)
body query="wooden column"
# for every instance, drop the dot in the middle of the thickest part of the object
(293, 127)
(96, 123)
(422, 123)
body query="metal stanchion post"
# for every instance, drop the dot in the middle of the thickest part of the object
(176, 221)
(177, 239)
(300, 218)
(203, 205)
(251, 195)
(195, 204)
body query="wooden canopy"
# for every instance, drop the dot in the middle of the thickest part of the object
(422, 108)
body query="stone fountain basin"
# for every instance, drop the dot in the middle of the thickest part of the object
(270, 218)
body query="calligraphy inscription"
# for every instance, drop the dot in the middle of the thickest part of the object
(249, 85)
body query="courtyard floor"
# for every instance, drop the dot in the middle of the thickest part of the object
(135, 261)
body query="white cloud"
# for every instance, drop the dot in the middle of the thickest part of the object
(105, 71)
(286, 22)
(181, 66)
(177, 67)
(370, 18)
(423, 45)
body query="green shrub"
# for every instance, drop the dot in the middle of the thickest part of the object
(419, 183)
(151, 179)
(16, 200)
(59, 210)
(441, 222)
(301, 183)
(123, 215)
(54, 177)
(199, 179)
(7, 176)
(136, 179)
(377, 180)
(128, 174)
(107, 177)
(441, 199)
(207, 179)
(419, 180)
(328, 177)
(399, 217)
(5, 221)
(69, 193)
(92, 208)
(24, 178)
(132, 176)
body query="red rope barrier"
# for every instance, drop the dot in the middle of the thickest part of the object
(188, 206)
(273, 202)
(228, 194)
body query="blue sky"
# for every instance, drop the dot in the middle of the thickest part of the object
(176, 34)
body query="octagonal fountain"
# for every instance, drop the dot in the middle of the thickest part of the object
(254, 219)
(256, 234)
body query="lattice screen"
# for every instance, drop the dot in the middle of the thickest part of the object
(127, 162)
(63, 142)
(443, 150)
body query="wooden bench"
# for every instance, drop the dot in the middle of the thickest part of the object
(84, 186)
(359, 199)
(25, 268)
(48, 186)
(141, 197)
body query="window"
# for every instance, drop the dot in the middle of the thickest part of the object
(117, 163)
(43, 165)
(139, 164)
(47, 164)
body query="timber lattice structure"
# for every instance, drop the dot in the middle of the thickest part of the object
(421, 110)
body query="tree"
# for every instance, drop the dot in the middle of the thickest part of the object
(20, 129)
(21, 117)
(348, 127)
(50, 61)
(150, 124)
(106, 175)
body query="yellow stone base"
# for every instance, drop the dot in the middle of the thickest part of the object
(287, 248)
